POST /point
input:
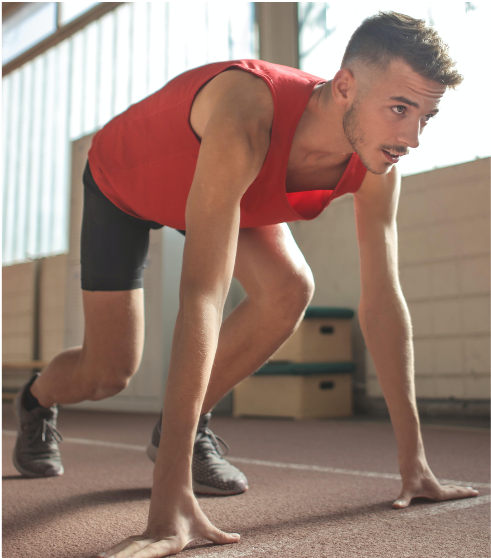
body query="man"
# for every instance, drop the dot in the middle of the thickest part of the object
(229, 152)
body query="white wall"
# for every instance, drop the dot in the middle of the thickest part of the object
(444, 262)
(443, 223)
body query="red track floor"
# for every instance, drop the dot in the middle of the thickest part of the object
(337, 503)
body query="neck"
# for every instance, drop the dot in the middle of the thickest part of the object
(320, 130)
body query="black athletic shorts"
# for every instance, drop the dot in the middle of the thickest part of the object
(114, 244)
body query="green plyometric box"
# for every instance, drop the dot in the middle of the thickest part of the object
(300, 391)
(323, 336)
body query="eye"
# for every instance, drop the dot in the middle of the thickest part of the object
(399, 109)
(427, 117)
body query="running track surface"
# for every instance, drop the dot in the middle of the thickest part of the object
(317, 489)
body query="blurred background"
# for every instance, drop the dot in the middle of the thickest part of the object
(69, 67)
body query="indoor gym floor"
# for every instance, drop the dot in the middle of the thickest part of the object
(318, 488)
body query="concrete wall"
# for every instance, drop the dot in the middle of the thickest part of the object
(443, 223)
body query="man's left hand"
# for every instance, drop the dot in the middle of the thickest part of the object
(424, 484)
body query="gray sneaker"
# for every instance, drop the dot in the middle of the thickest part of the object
(212, 474)
(36, 452)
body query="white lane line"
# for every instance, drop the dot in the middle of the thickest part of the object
(336, 471)
(114, 445)
(444, 507)
(85, 442)
(262, 463)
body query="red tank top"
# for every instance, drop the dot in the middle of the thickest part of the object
(144, 159)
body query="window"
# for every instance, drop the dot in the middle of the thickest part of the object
(26, 27)
(71, 10)
(36, 21)
(76, 86)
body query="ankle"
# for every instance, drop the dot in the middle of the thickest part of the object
(36, 394)
(29, 402)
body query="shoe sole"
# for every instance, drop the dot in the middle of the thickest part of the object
(30, 474)
(210, 491)
(197, 488)
(22, 471)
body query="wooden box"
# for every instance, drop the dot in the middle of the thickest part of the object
(323, 336)
(300, 391)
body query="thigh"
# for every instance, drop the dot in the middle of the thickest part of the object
(269, 261)
(114, 244)
(114, 247)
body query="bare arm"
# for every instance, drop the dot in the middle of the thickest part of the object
(235, 140)
(386, 326)
(233, 148)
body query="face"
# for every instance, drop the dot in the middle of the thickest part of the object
(387, 116)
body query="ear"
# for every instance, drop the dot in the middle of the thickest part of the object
(343, 87)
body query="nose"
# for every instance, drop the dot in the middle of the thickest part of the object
(409, 135)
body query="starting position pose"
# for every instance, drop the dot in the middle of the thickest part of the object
(230, 152)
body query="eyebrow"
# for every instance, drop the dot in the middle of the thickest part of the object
(410, 103)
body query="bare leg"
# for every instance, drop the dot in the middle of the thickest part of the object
(111, 353)
(279, 286)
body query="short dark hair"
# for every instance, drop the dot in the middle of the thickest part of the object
(389, 36)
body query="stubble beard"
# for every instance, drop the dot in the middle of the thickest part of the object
(355, 135)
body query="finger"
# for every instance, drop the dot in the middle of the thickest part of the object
(452, 492)
(220, 537)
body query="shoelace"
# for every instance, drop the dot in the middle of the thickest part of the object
(47, 428)
(54, 432)
(215, 440)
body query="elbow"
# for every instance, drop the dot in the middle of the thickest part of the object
(381, 298)
(200, 309)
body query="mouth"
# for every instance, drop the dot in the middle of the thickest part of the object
(392, 157)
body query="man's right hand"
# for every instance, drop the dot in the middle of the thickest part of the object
(175, 520)
(235, 127)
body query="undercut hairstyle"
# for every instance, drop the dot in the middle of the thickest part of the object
(390, 36)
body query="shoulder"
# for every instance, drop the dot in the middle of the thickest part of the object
(245, 97)
(378, 194)
(239, 82)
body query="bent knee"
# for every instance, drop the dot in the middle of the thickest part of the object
(102, 374)
(101, 388)
(291, 298)
(99, 383)
(300, 289)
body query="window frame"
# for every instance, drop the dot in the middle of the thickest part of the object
(62, 33)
